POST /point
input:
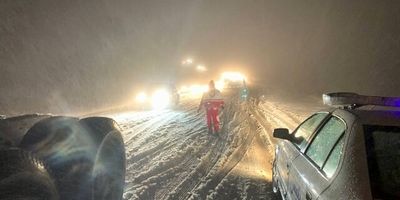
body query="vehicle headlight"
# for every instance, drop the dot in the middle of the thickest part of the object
(233, 76)
(220, 85)
(160, 99)
(141, 97)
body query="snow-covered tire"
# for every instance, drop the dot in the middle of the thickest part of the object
(23, 176)
(13, 129)
(109, 168)
(67, 148)
(80, 153)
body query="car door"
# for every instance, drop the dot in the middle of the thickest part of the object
(311, 171)
(287, 151)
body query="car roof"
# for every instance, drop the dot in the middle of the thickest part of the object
(377, 115)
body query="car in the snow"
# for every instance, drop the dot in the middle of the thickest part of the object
(157, 96)
(57, 157)
(232, 80)
(350, 151)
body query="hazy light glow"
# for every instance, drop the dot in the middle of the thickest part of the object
(220, 84)
(196, 90)
(201, 68)
(160, 99)
(233, 76)
(228, 78)
(184, 89)
(141, 97)
(187, 61)
(193, 90)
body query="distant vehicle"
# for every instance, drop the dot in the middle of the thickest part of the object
(157, 96)
(349, 152)
(232, 80)
(57, 157)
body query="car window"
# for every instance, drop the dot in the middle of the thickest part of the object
(333, 160)
(383, 156)
(325, 140)
(306, 129)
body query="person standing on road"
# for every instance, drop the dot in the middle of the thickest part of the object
(212, 101)
(244, 92)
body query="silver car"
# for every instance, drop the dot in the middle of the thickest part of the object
(349, 152)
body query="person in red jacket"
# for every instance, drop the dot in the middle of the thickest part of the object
(212, 101)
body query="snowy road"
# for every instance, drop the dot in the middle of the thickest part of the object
(170, 155)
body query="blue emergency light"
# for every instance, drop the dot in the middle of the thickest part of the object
(346, 99)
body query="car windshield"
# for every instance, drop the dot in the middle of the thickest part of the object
(383, 154)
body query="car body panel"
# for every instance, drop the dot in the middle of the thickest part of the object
(351, 179)
(287, 152)
(307, 180)
(300, 178)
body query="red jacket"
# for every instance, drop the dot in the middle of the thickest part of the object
(212, 100)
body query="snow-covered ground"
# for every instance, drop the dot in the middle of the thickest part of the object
(170, 155)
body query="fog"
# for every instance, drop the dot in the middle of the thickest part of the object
(70, 57)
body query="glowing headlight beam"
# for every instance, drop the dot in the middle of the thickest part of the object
(161, 99)
(233, 76)
(141, 97)
(196, 90)
(201, 68)
(220, 85)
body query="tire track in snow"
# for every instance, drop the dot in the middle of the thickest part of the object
(171, 162)
(175, 165)
(195, 178)
(185, 161)
(169, 143)
(232, 160)
(255, 123)
(252, 188)
(149, 187)
(278, 117)
(208, 166)
(147, 127)
(149, 121)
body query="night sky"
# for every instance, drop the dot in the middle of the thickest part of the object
(79, 56)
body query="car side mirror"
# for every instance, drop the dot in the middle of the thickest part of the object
(282, 133)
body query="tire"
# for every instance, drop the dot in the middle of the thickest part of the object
(23, 176)
(109, 168)
(5, 143)
(86, 157)
(13, 129)
(69, 151)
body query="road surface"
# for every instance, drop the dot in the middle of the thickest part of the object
(170, 155)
